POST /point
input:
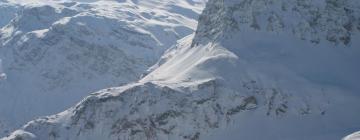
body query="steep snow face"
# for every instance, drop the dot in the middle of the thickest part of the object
(234, 80)
(56, 52)
(226, 24)
(318, 76)
(310, 74)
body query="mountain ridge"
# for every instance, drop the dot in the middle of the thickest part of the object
(228, 84)
(56, 52)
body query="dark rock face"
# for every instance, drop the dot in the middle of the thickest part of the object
(332, 20)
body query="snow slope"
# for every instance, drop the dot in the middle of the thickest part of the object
(354, 136)
(255, 69)
(56, 52)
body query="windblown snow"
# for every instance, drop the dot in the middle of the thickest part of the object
(254, 69)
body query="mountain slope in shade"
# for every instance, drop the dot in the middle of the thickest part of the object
(258, 69)
(2, 74)
(7, 12)
(56, 52)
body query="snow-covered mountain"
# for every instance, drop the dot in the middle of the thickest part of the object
(354, 136)
(255, 69)
(56, 52)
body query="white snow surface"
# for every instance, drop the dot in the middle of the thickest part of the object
(259, 70)
(353, 136)
(55, 52)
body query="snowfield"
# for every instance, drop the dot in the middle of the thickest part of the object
(258, 70)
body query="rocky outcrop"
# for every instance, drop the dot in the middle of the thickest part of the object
(335, 21)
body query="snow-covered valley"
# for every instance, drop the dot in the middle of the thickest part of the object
(253, 70)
